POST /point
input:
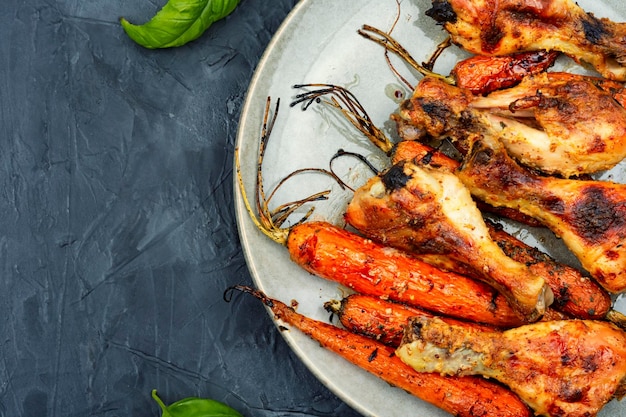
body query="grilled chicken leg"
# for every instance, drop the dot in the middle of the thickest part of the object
(558, 123)
(503, 27)
(574, 294)
(559, 368)
(430, 211)
(590, 216)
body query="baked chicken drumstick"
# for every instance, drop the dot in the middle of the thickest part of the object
(559, 368)
(422, 209)
(555, 122)
(503, 27)
(590, 216)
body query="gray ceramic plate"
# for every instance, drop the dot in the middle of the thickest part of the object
(319, 43)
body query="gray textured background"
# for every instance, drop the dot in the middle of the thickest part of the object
(117, 230)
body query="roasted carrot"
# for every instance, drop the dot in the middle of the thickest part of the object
(374, 269)
(385, 321)
(459, 396)
(374, 318)
(483, 75)
(379, 319)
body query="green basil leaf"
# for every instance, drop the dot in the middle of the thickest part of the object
(178, 22)
(195, 407)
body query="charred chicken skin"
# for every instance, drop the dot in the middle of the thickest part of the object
(590, 216)
(503, 27)
(422, 209)
(559, 368)
(558, 123)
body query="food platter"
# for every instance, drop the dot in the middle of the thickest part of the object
(319, 43)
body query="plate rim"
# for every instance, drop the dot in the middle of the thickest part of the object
(294, 341)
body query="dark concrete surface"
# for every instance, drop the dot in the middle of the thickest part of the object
(118, 234)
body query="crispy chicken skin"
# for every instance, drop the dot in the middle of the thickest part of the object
(559, 368)
(558, 123)
(503, 27)
(422, 209)
(590, 216)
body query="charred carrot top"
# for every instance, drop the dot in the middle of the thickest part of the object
(459, 396)
(270, 221)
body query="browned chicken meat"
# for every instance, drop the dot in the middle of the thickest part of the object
(559, 368)
(590, 216)
(422, 209)
(503, 27)
(558, 123)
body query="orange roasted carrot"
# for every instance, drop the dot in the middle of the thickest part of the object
(379, 319)
(459, 396)
(385, 321)
(374, 269)
(409, 150)
(483, 75)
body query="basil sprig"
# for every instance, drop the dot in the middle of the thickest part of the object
(178, 22)
(195, 407)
